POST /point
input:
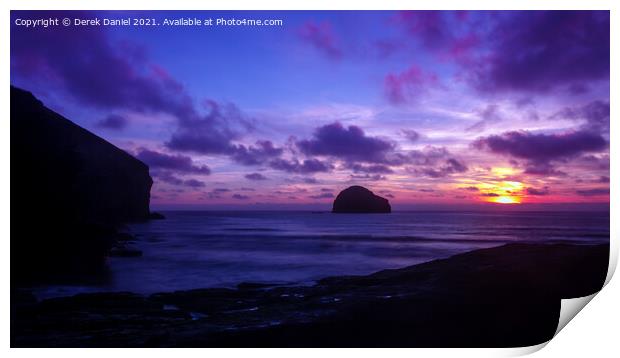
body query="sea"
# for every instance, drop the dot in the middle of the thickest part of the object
(202, 249)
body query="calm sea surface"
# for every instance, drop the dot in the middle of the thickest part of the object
(197, 249)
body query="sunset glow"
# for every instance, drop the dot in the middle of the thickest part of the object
(505, 200)
(290, 115)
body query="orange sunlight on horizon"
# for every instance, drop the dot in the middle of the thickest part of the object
(506, 192)
(505, 200)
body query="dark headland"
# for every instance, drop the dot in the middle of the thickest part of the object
(71, 190)
(357, 199)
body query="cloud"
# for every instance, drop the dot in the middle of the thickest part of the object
(178, 163)
(542, 168)
(488, 115)
(375, 177)
(100, 73)
(593, 192)
(112, 121)
(537, 192)
(411, 135)
(255, 176)
(470, 188)
(408, 85)
(321, 36)
(217, 193)
(594, 114)
(113, 75)
(194, 183)
(430, 28)
(527, 51)
(300, 167)
(542, 148)
(489, 194)
(350, 144)
(450, 166)
(240, 197)
(254, 155)
(169, 178)
(322, 196)
(372, 169)
(212, 133)
(538, 51)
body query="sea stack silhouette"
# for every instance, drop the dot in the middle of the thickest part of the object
(357, 199)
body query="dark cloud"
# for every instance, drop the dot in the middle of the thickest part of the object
(537, 192)
(450, 166)
(593, 192)
(603, 179)
(470, 188)
(411, 135)
(322, 196)
(429, 155)
(169, 178)
(240, 197)
(301, 167)
(542, 147)
(430, 28)
(217, 193)
(350, 144)
(371, 169)
(310, 180)
(539, 50)
(322, 37)
(254, 155)
(194, 183)
(178, 163)
(114, 75)
(489, 194)
(375, 177)
(113, 121)
(533, 51)
(594, 114)
(255, 176)
(542, 168)
(100, 73)
(212, 133)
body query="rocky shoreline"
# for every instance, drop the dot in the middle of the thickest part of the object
(499, 297)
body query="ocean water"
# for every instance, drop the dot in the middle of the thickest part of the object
(198, 249)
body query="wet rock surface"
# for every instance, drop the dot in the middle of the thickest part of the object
(504, 296)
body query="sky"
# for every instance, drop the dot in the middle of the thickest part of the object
(426, 108)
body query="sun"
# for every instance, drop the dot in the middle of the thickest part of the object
(505, 199)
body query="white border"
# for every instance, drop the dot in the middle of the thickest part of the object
(595, 329)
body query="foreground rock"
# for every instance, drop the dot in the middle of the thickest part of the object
(71, 189)
(500, 297)
(357, 199)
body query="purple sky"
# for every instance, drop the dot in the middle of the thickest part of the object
(451, 108)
